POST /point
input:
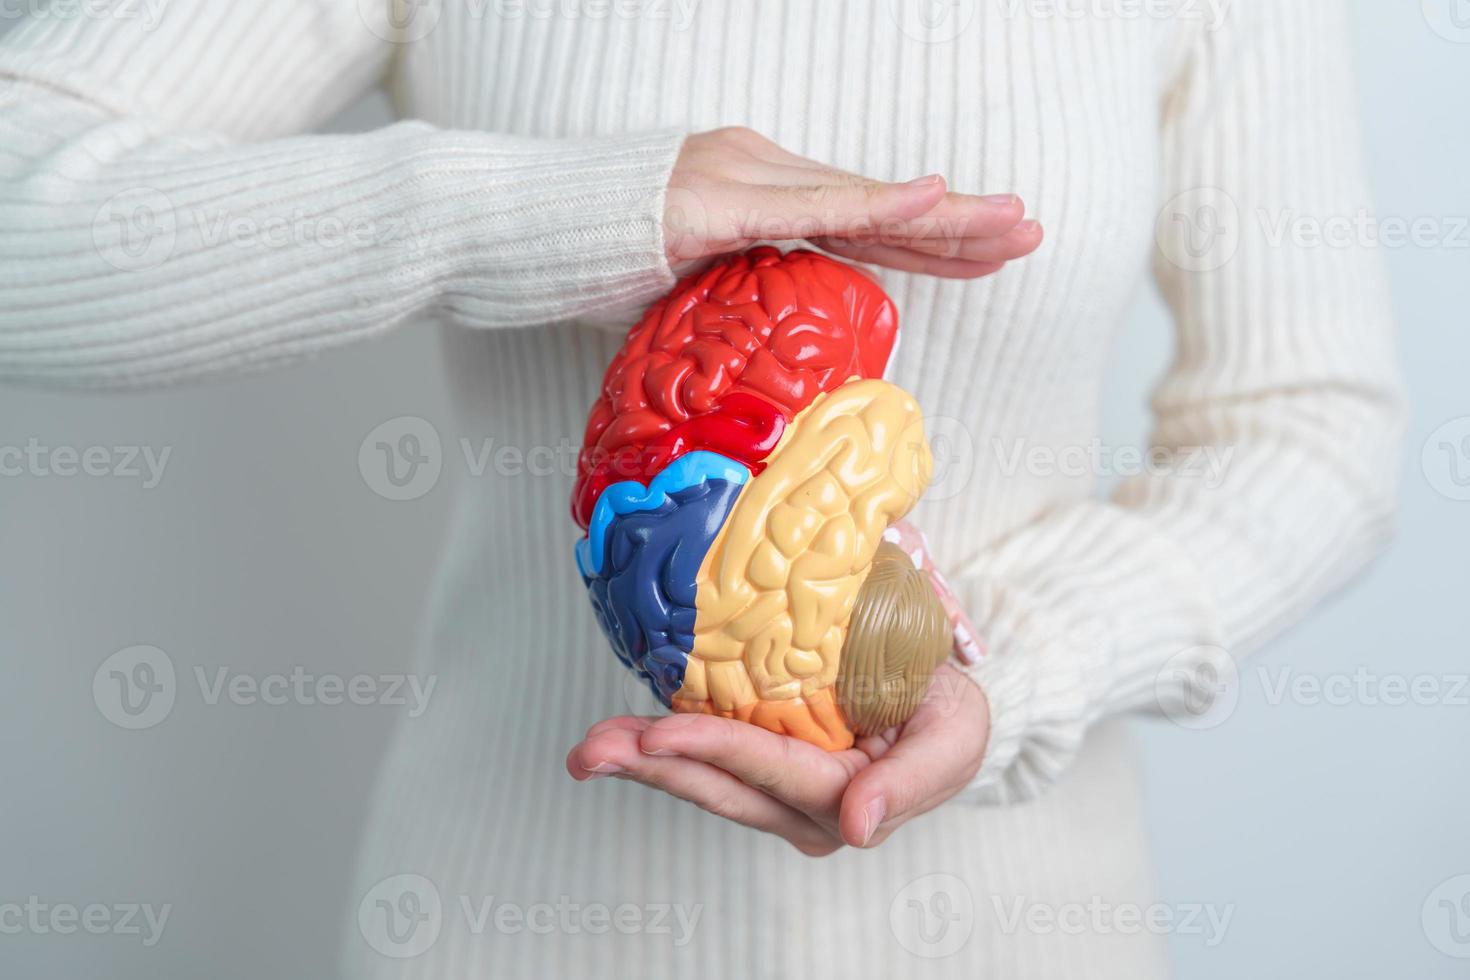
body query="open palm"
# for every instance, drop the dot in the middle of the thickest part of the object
(816, 800)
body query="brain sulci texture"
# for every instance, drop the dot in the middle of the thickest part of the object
(738, 473)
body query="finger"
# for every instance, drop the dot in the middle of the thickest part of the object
(907, 260)
(918, 209)
(1017, 243)
(716, 791)
(824, 206)
(797, 773)
(877, 746)
(606, 749)
(952, 216)
(801, 172)
(617, 752)
(632, 723)
(959, 216)
(938, 752)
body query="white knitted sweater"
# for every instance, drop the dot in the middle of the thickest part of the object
(162, 219)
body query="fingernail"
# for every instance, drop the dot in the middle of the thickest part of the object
(604, 768)
(872, 817)
(658, 751)
(1028, 226)
(1004, 200)
(928, 181)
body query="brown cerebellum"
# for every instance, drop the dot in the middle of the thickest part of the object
(897, 635)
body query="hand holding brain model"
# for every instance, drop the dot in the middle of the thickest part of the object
(741, 483)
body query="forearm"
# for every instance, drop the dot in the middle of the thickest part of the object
(134, 254)
(1280, 416)
(1149, 601)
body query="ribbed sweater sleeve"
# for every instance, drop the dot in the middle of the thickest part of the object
(1285, 367)
(159, 220)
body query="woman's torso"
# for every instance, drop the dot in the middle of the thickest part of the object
(1060, 109)
(998, 96)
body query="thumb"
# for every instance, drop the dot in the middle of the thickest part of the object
(936, 755)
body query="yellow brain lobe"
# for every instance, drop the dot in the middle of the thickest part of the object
(778, 585)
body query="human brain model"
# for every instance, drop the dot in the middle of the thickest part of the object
(738, 477)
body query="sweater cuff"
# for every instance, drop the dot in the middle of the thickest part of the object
(536, 231)
(1080, 612)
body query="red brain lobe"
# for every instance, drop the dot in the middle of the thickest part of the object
(726, 360)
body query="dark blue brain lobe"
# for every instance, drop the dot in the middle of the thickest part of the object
(644, 594)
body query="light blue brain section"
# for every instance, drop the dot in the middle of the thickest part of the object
(630, 497)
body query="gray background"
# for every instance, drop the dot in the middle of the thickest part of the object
(1326, 827)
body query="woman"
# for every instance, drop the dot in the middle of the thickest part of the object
(161, 222)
